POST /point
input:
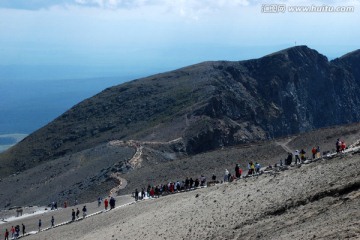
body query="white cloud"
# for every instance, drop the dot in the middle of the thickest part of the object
(174, 31)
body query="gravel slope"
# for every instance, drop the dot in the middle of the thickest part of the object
(320, 200)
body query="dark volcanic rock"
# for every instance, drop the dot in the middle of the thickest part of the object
(209, 105)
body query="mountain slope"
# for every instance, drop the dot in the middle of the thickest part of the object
(208, 105)
(315, 201)
(88, 174)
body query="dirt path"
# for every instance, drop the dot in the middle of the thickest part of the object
(62, 217)
(284, 144)
(122, 184)
(136, 160)
(355, 144)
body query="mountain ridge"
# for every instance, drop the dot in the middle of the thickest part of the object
(208, 105)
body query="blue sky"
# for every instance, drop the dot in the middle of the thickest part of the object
(122, 37)
(46, 46)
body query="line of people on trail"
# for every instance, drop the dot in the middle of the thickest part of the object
(190, 183)
(15, 232)
(300, 156)
(340, 145)
(169, 188)
(253, 169)
(111, 201)
(75, 215)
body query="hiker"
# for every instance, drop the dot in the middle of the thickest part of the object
(55, 205)
(112, 203)
(226, 176)
(99, 201)
(288, 160)
(65, 204)
(12, 231)
(6, 234)
(39, 225)
(318, 152)
(84, 210)
(187, 183)
(171, 187)
(302, 155)
(77, 213)
(106, 203)
(249, 168)
(177, 186)
(338, 145)
(147, 191)
(23, 229)
(213, 178)
(142, 193)
(252, 166)
(203, 180)
(313, 151)
(240, 172)
(152, 192)
(237, 173)
(164, 188)
(197, 183)
(17, 231)
(257, 167)
(73, 215)
(191, 183)
(157, 191)
(296, 154)
(343, 146)
(52, 221)
(136, 194)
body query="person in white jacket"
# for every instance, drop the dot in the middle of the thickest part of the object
(226, 176)
(296, 154)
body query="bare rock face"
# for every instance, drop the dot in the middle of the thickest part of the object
(208, 105)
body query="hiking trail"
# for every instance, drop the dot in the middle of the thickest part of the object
(136, 160)
(283, 143)
(122, 183)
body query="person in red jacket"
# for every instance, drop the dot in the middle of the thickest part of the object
(343, 146)
(152, 192)
(106, 203)
(313, 151)
(6, 234)
(12, 231)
